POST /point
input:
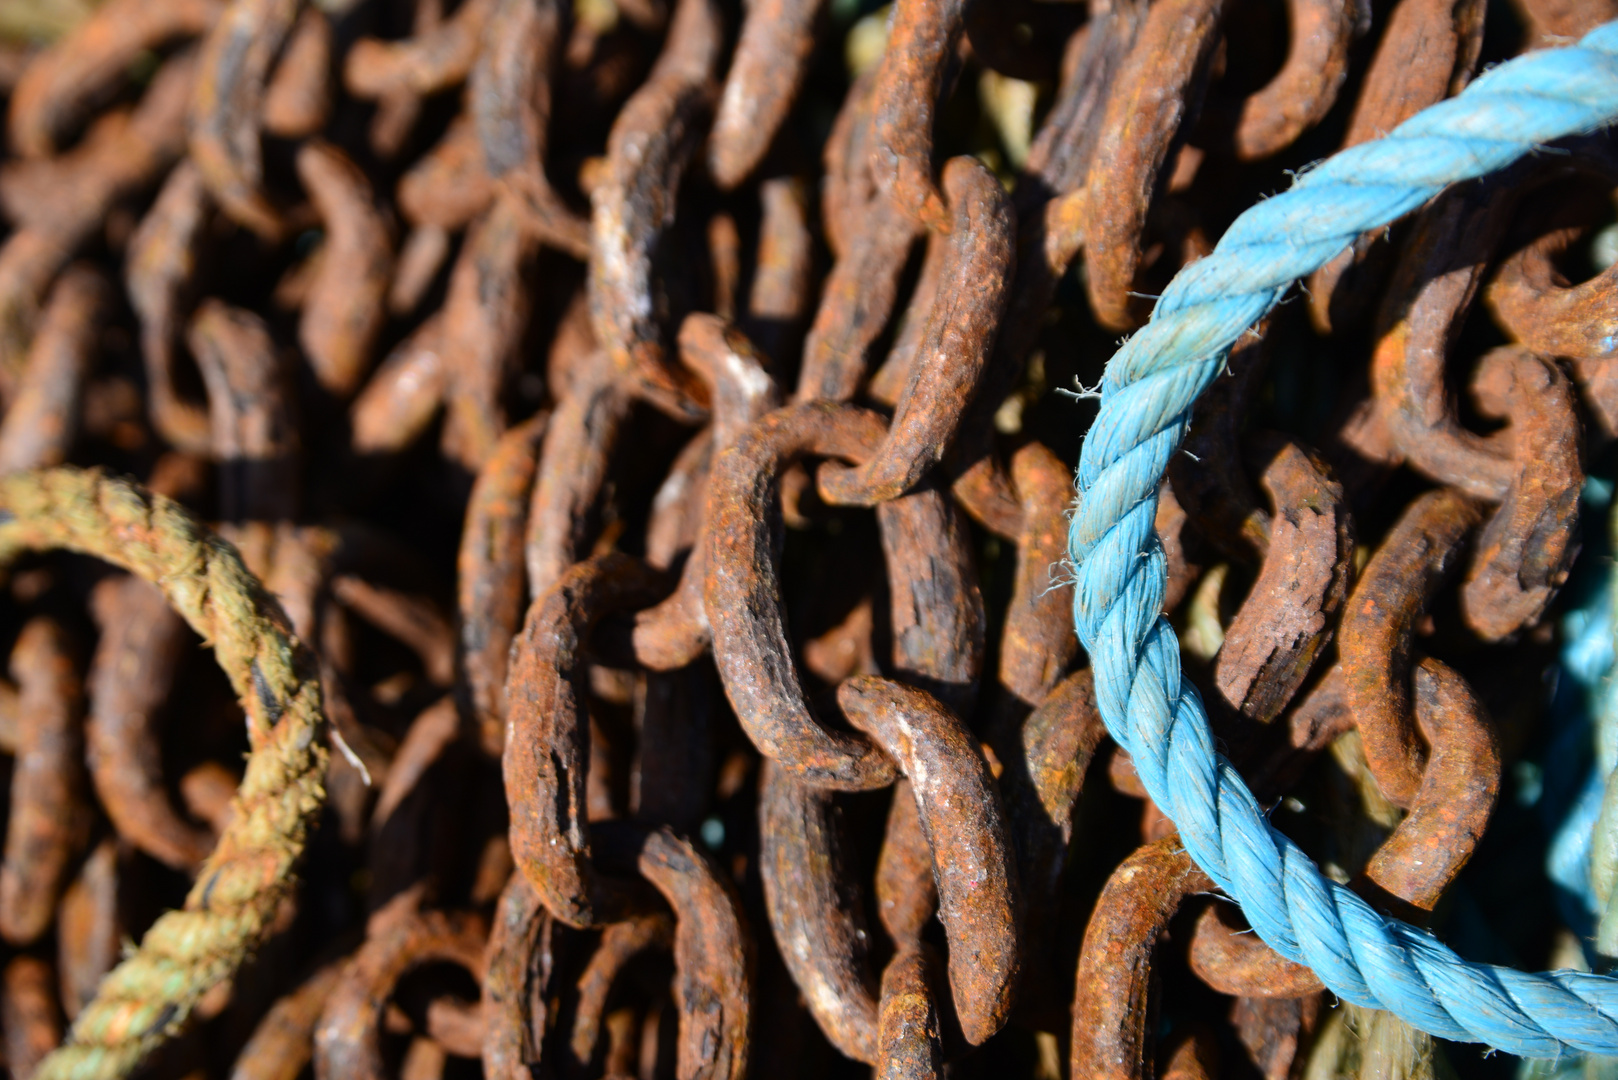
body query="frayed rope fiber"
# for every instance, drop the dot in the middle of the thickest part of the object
(1150, 709)
(149, 996)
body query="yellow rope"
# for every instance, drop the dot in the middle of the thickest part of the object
(150, 995)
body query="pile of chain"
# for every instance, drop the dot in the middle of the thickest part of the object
(547, 366)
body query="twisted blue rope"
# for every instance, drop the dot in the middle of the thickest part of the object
(1151, 710)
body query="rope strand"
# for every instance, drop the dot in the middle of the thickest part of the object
(1148, 706)
(149, 996)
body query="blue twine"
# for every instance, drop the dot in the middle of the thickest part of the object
(1148, 706)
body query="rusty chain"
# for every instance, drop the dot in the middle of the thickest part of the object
(653, 415)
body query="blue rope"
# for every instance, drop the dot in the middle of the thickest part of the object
(1152, 711)
(1595, 669)
(1584, 718)
(1583, 749)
